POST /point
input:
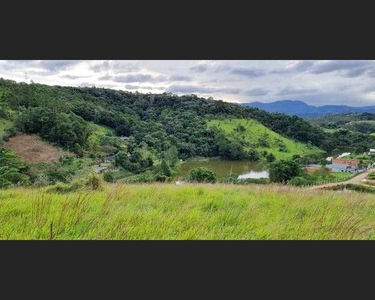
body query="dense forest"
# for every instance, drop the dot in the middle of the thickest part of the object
(160, 120)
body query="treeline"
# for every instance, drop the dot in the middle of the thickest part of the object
(62, 115)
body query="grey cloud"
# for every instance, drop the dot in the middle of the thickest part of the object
(114, 66)
(248, 72)
(199, 68)
(73, 77)
(347, 68)
(292, 91)
(58, 65)
(303, 65)
(257, 92)
(86, 84)
(177, 77)
(192, 89)
(139, 78)
(131, 87)
(105, 77)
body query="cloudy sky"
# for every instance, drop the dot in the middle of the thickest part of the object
(315, 82)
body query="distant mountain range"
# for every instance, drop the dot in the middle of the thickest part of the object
(302, 109)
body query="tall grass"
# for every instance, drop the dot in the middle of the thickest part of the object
(162, 211)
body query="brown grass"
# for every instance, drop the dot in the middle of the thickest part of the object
(32, 149)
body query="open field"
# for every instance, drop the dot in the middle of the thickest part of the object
(32, 149)
(162, 211)
(255, 131)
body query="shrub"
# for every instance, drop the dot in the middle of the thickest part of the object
(202, 174)
(298, 181)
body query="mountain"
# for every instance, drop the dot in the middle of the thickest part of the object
(302, 109)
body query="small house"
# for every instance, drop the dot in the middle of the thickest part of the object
(124, 138)
(353, 163)
(372, 152)
(338, 168)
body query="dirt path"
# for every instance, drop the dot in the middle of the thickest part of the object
(355, 180)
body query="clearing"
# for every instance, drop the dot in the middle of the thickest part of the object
(259, 135)
(32, 149)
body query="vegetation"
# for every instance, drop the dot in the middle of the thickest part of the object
(202, 174)
(284, 170)
(143, 130)
(256, 137)
(170, 212)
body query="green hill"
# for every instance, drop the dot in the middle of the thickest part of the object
(256, 135)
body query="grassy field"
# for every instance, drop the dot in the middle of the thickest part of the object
(254, 131)
(162, 211)
(4, 124)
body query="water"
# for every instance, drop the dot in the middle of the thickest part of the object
(255, 175)
(223, 168)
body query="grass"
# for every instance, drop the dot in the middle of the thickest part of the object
(255, 131)
(170, 212)
(4, 124)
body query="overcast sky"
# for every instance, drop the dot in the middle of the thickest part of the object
(315, 82)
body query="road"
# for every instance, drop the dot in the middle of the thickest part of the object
(355, 180)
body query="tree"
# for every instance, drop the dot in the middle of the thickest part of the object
(202, 174)
(270, 158)
(284, 170)
(165, 169)
(171, 155)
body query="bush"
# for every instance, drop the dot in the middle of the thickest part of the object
(284, 170)
(202, 174)
(298, 181)
(108, 177)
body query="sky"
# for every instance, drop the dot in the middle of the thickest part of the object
(325, 82)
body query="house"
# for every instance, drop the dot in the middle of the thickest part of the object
(329, 158)
(338, 168)
(124, 138)
(353, 163)
(109, 159)
(372, 152)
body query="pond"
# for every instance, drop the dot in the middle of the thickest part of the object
(222, 168)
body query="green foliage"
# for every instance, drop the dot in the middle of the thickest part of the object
(284, 170)
(202, 174)
(165, 169)
(12, 170)
(299, 181)
(108, 177)
(171, 155)
(64, 129)
(270, 158)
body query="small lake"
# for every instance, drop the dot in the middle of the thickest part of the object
(222, 168)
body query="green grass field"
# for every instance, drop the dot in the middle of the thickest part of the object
(4, 124)
(169, 212)
(256, 131)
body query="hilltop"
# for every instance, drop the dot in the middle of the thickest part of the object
(302, 109)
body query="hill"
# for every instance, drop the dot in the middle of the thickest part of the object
(301, 109)
(170, 212)
(255, 135)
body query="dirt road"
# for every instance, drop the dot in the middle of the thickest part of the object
(355, 180)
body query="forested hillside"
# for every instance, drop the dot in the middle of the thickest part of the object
(160, 120)
(146, 134)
